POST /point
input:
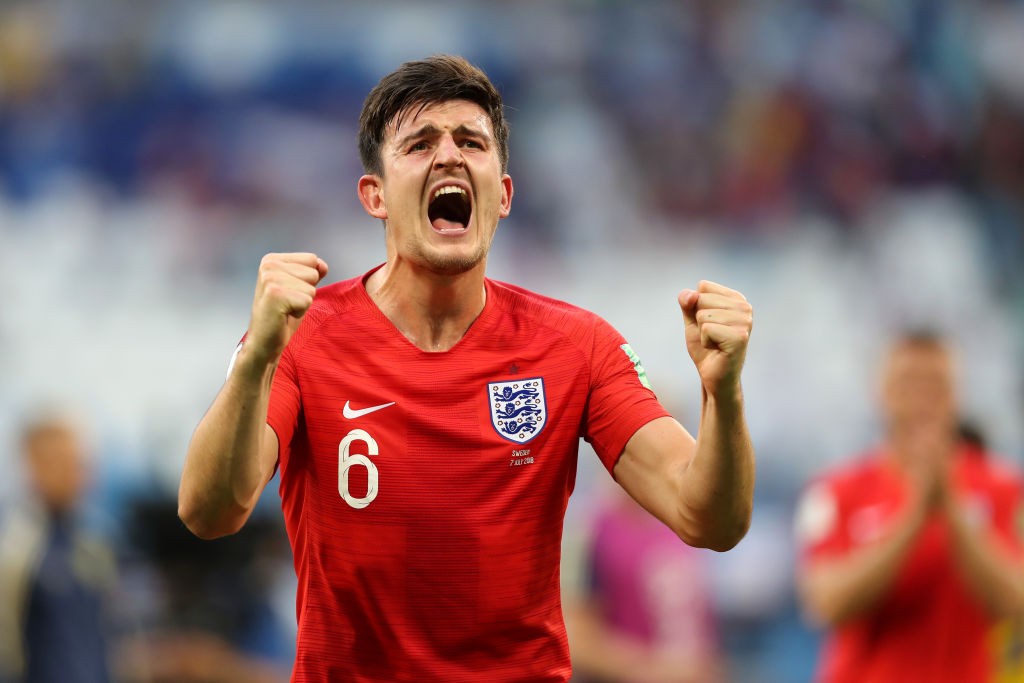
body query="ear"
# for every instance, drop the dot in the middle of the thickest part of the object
(371, 195)
(506, 196)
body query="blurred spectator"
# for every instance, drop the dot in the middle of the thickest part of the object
(746, 113)
(911, 553)
(214, 621)
(61, 617)
(55, 580)
(644, 613)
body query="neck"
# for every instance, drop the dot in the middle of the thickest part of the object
(432, 310)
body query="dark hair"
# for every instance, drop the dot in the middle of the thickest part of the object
(971, 434)
(921, 338)
(440, 78)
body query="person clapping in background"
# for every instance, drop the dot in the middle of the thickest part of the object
(911, 553)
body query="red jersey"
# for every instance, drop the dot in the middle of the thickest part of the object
(928, 627)
(424, 493)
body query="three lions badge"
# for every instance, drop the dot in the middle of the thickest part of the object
(518, 409)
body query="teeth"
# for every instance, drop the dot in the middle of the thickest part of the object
(448, 189)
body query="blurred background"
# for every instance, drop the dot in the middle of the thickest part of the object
(854, 167)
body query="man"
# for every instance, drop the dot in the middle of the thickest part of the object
(54, 578)
(912, 552)
(426, 419)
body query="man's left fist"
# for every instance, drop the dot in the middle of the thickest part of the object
(718, 321)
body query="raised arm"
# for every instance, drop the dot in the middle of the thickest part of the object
(703, 489)
(233, 452)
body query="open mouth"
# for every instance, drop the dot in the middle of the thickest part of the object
(449, 209)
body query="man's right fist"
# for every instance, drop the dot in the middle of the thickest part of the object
(285, 288)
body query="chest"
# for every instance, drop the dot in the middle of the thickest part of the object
(479, 435)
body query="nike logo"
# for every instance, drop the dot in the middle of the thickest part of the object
(351, 414)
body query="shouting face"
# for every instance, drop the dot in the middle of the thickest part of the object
(442, 189)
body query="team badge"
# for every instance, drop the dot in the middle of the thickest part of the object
(518, 408)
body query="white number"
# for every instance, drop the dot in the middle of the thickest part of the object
(347, 460)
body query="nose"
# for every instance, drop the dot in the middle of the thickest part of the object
(448, 153)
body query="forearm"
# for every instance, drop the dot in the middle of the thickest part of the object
(717, 484)
(991, 575)
(224, 473)
(835, 590)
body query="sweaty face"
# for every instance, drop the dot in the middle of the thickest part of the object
(919, 387)
(442, 190)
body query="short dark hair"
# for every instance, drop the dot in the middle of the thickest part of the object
(440, 78)
(921, 338)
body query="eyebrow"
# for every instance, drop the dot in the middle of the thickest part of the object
(430, 130)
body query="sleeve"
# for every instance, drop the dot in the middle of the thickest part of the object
(818, 524)
(285, 404)
(620, 400)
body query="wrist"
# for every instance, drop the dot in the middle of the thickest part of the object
(255, 364)
(724, 395)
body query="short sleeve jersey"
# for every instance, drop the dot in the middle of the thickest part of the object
(928, 626)
(424, 493)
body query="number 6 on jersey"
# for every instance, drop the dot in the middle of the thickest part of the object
(347, 460)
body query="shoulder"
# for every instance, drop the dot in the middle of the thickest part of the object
(332, 302)
(22, 528)
(826, 500)
(861, 470)
(526, 306)
(337, 297)
(514, 298)
(846, 480)
(993, 471)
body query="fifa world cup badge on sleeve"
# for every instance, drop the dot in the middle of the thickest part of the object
(518, 408)
(637, 365)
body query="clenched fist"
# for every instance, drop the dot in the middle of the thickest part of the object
(285, 288)
(718, 321)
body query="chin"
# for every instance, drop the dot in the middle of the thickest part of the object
(450, 259)
(454, 264)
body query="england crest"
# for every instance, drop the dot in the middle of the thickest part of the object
(518, 408)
